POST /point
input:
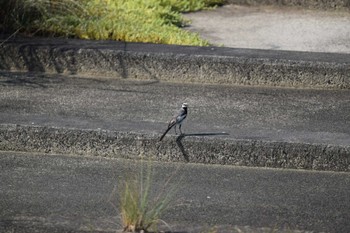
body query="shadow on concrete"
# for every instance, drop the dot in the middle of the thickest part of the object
(29, 79)
(43, 81)
(182, 136)
(72, 59)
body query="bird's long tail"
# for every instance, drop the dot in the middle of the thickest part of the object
(167, 130)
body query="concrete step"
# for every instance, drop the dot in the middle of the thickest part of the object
(249, 126)
(70, 194)
(183, 64)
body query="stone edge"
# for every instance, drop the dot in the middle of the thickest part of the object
(206, 150)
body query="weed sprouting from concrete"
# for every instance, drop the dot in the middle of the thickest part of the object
(140, 203)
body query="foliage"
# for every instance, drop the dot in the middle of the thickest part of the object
(155, 21)
(141, 204)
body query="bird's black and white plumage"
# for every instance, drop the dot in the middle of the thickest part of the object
(176, 120)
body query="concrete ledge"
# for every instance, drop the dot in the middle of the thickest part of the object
(315, 4)
(188, 148)
(177, 63)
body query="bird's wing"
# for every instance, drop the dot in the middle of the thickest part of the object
(177, 119)
(181, 116)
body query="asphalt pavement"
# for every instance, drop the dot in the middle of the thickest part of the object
(55, 193)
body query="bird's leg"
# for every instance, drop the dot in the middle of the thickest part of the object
(175, 129)
(180, 129)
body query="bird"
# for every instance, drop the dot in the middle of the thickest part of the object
(176, 120)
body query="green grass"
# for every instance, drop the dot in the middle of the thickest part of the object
(155, 21)
(142, 201)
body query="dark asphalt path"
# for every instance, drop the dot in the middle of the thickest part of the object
(268, 114)
(66, 193)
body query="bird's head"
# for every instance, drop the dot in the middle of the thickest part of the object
(184, 105)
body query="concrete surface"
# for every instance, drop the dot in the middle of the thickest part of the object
(248, 126)
(40, 193)
(184, 64)
(276, 28)
(251, 126)
(305, 4)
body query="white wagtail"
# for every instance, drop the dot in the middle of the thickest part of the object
(176, 120)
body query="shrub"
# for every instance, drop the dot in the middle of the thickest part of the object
(155, 21)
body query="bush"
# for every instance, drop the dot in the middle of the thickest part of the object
(156, 21)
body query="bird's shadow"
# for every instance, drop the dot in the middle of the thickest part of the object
(182, 136)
